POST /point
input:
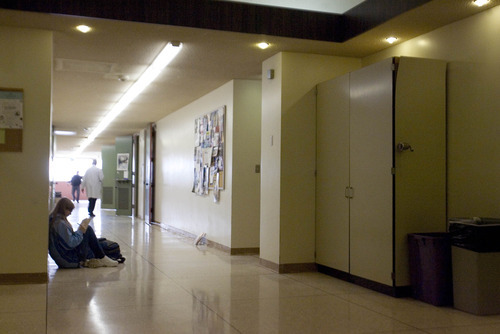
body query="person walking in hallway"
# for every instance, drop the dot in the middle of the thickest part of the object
(92, 184)
(76, 180)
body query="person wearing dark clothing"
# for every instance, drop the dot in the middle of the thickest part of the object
(74, 249)
(76, 180)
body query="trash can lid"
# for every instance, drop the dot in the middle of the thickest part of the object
(475, 221)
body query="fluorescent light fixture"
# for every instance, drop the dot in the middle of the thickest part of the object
(480, 3)
(161, 61)
(83, 28)
(263, 45)
(64, 133)
(391, 39)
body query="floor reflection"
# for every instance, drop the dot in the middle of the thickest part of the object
(169, 285)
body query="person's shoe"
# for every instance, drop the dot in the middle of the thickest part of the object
(91, 215)
(94, 263)
(108, 262)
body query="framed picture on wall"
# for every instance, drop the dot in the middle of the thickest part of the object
(122, 161)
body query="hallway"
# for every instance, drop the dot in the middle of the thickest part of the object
(168, 285)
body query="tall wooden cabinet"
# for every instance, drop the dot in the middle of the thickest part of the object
(381, 168)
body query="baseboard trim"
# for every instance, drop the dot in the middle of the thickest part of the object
(269, 265)
(394, 291)
(210, 243)
(245, 251)
(18, 279)
(288, 268)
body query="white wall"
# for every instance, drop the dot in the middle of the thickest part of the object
(176, 205)
(26, 63)
(472, 46)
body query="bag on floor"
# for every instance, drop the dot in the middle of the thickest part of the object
(111, 249)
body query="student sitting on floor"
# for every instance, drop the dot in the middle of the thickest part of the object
(73, 249)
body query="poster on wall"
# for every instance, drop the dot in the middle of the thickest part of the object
(11, 119)
(11, 109)
(122, 161)
(209, 153)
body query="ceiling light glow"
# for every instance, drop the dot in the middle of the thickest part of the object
(161, 61)
(480, 3)
(83, 28)
(263, 45)
(391, 39)
(64, 133)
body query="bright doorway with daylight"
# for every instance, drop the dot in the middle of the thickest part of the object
(62, 170)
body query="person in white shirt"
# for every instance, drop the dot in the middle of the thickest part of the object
(92, 184)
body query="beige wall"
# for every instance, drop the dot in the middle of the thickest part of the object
(26, 62)
(270, 177)
(288, 160)
(245, 213)
(472, 48)
(175, 204)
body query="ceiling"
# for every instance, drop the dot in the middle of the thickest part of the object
(87, 67)
(327, 6)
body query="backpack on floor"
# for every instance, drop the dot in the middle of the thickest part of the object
(111, 249)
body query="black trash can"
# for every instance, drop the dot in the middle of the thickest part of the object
(430, 267)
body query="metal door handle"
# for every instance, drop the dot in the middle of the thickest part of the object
(402, 146)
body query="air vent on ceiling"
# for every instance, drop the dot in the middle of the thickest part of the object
(72, 65)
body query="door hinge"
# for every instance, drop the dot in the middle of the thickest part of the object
(393, 170)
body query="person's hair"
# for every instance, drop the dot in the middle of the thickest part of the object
(94, 162)
(63, 204)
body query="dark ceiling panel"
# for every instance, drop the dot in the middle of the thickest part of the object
(230, 16)
(371, 13)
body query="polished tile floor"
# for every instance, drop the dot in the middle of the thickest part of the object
(168, 285)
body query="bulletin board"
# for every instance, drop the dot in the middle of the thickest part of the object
(209, 152)
(11, 120)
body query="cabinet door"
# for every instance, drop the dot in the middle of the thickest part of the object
(420, 180)
(332, 163)
(371, 158)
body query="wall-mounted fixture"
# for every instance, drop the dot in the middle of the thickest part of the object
(270, 74)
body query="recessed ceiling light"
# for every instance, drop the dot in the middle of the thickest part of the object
(64, 133)
(83, 28)
(263, 45)
(480, 3)
(391, 39)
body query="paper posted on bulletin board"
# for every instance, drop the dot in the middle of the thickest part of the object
(209, 153)
(11, 120)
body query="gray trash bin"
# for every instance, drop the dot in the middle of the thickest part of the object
(476, 264)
